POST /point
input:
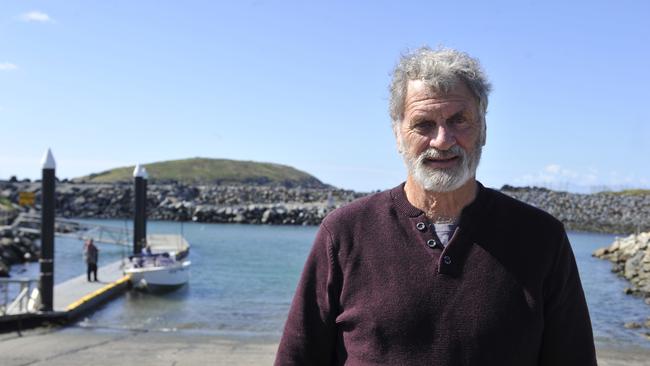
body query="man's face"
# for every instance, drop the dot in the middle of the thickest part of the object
(440, 137)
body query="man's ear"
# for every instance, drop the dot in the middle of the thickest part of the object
(484, 134)
(398, 137)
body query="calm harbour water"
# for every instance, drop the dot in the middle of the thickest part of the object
(243, 278)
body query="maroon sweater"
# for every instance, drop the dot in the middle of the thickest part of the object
(504, 291)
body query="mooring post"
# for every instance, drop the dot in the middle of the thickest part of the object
(144, 204)
(139, 221)
(48, 204)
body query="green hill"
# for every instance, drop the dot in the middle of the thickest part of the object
(212, 171)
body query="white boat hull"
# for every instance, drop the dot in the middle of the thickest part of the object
(176, 274)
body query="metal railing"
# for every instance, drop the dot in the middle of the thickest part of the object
(19, 296)
(31, 223)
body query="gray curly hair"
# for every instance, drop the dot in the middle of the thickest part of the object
(440, 69)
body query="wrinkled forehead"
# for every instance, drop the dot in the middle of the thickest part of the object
(422, 98)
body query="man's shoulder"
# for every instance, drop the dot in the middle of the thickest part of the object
(508, 209)
(526, 238)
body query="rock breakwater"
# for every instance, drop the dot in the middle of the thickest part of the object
(16, 248)
(180, 202)
(630, 257)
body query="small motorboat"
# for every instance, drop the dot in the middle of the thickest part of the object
(158, 270)
(164, 264)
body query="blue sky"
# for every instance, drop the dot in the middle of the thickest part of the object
(112, 83)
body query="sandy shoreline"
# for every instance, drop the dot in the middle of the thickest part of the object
(78, 346)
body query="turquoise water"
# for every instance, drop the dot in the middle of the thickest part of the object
(243, 278)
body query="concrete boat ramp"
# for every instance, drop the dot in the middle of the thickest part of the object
(78, 296)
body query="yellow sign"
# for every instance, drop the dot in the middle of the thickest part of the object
(26, 198)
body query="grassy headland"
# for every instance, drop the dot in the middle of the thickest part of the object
(212, 171)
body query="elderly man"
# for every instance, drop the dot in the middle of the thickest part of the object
(439, 270)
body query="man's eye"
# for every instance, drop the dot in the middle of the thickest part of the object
(423, 126)
(457, 120)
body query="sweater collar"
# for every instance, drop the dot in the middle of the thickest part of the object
(401, 202)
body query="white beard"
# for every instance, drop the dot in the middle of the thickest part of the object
(443, 179)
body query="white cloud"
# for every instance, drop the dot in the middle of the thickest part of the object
(7, 66)
(36, 16)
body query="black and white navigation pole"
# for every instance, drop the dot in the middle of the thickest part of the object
(47, 231)
(144, 203)
(140, 219)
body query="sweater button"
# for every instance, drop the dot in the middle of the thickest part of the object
(431, 243)
(421, 226)
(446, 259)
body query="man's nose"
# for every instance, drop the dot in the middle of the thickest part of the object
(443, 139)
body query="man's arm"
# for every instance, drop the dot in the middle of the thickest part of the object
(568, 338)
(310, 332)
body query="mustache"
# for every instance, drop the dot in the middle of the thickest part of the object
(433, 153)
